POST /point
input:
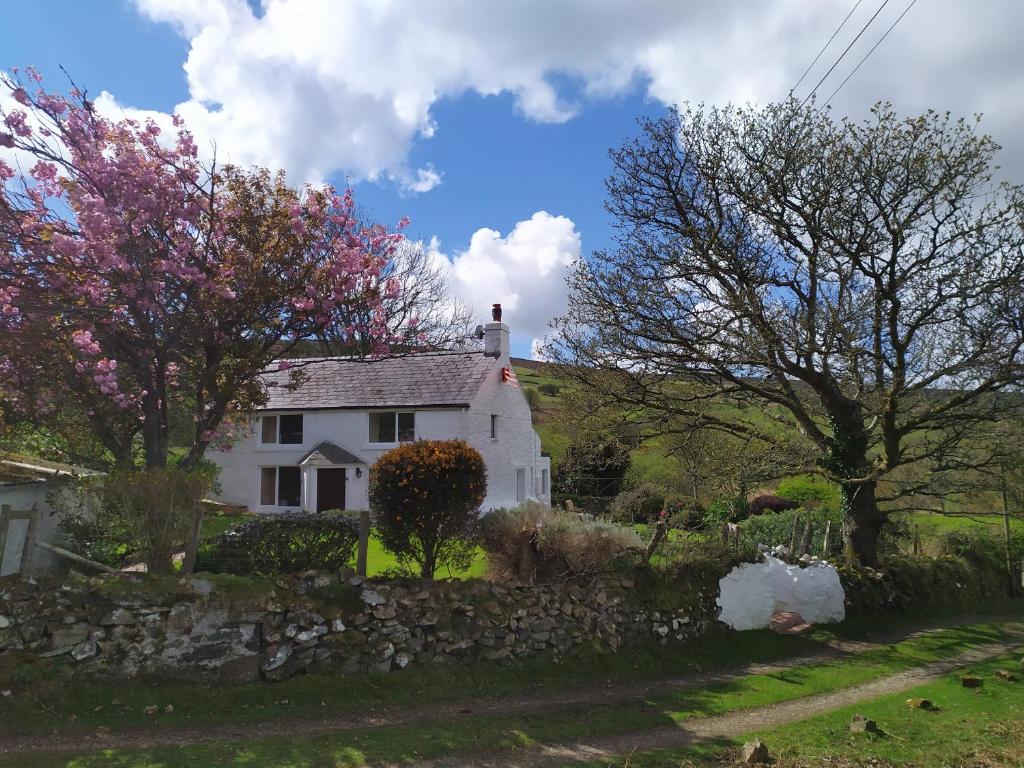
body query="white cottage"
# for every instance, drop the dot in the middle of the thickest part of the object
(311, 447)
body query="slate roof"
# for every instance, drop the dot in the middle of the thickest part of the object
(333, 453)
(438, 379)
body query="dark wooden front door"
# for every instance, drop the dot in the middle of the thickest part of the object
(330, 488)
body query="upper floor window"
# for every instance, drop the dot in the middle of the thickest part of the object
(392, 427)
(285, 429)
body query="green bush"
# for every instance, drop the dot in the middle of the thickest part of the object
(104, 538)
(767, 503)
(981, 548)
(283, 543)
(905, 583)
(426, 496)
(687, 517)
(532, 398)
(686, 574)
(592, 465)
(808, 491)
(535, 542)
(727, 509)
(549, 389)
(591, 505)
(146, 514)
(641, 504)
(774, 529)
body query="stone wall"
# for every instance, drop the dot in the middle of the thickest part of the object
(236, 630)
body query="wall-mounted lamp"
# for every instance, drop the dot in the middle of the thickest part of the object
(359, 472)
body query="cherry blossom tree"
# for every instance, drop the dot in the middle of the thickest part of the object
(136, 276)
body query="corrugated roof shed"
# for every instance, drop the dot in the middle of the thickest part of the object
(446, 379)
(21, 470)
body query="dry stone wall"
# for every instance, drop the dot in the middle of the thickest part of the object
(221, 629)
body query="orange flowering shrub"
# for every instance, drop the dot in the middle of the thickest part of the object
(426, 496)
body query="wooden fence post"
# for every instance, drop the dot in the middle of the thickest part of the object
(805, 548)
(793, 534)
(364, 542)
(828, 539)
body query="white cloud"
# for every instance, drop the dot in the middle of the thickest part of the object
(524, 271)
(322, 86)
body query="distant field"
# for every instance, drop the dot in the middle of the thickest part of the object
(650, 462)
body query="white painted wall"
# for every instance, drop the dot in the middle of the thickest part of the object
(27, 497)
(350, 429)
(517, 446)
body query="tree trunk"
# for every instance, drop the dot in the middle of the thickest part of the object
(429, 559)
(863, 521)
(154, 435)
(188, 565)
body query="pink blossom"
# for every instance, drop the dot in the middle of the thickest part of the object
(16, 120)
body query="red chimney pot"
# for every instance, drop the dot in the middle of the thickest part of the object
(496, 312)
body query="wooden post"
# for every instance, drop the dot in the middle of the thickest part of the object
(364, 542)
(805, 547)
(828, 539)
(526, 555)
(792, 536)
(77, 558)
(188, 565)
(1009, 540)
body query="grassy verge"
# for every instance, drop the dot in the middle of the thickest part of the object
(41, 706)
(969, 727)
(399, 744)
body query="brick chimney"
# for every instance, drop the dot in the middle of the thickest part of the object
(496, 336)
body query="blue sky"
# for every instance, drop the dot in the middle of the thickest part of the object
(498, 166)
(489, 123)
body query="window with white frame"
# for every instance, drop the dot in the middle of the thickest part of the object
(285, 429)
(280, 487)
(392, 427)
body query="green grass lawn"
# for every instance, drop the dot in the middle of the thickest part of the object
(933, 524)
(391, 744)
(378, 559)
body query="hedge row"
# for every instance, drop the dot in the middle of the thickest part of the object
(916, 583)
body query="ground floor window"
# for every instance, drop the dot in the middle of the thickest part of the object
(281, 486)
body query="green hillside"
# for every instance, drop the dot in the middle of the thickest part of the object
(651, 463)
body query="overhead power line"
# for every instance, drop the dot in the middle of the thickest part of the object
(825, 46)
(845, 51)
(866, 55)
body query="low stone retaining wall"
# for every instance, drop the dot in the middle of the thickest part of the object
(220, 629)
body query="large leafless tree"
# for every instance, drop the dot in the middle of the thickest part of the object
(861, 282)
(422, 314)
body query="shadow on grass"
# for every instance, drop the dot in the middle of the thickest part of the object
(386, 745)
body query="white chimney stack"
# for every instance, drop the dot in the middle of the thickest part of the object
(496, 336)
